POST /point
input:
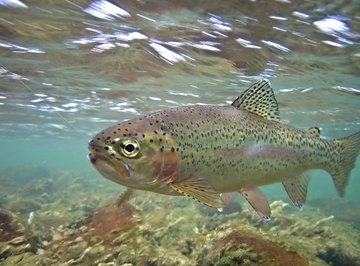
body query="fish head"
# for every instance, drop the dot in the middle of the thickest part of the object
(137, 154)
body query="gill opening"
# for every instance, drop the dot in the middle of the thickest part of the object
(158, 179)
(161, 178)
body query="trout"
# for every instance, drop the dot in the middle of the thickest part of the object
(207, 151)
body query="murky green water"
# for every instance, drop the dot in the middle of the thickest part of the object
(68, 69)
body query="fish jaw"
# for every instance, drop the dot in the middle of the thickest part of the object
(105, 166)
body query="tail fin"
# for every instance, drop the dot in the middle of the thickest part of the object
(346, 151)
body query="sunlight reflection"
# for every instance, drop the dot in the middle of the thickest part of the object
(247, 43)
(13, 3)
(276, 45)
(106, 10)
(168, 55)
(335, 26)
(20, 49)
(332, 25)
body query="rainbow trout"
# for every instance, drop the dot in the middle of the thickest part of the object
(205, 152)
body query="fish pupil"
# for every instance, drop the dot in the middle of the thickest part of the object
(129, 148)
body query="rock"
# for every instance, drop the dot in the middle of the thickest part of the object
(241, 247)
(336, 255)
(109, 222)
(17, 241)
(10, 226)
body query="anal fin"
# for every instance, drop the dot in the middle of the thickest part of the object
(200, 190)
(296, 188)
(258, 201)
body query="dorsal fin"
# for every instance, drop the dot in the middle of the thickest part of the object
(259, 99)
(314, 131)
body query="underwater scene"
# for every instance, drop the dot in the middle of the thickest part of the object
(164, 132)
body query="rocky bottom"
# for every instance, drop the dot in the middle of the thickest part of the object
(68, 220)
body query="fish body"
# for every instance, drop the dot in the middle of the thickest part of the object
(205, 151)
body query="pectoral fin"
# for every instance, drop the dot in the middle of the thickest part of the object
(296, 188)
(258, 201)
(124, 197)
(200, 190)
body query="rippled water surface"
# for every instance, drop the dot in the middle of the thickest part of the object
(68, 69)
(100, 62)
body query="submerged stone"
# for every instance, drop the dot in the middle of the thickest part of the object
(338, 255)
(10, 226)
(242, 247)
(109, 221)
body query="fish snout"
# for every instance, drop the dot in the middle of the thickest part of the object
(92, 146)
(96, 149)
(92, 158)
(97, 144)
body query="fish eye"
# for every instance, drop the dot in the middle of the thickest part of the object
(130, 148)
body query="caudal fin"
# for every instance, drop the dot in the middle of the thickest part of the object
(346, 152)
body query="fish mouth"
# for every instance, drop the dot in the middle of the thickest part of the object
(116, 171)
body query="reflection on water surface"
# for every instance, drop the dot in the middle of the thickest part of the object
(106, 61)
